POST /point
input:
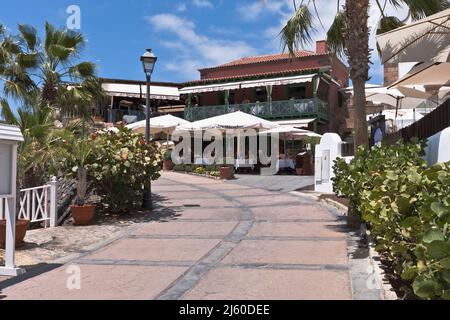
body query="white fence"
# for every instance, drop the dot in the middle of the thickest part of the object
(37, 204)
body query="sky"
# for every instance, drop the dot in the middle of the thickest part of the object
(185, 34)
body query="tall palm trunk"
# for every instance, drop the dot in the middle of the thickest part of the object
(357, 42)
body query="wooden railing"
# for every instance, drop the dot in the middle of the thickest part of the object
(428, 126)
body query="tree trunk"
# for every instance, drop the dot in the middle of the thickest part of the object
(357, 46)
(81, 186)
(360, 116)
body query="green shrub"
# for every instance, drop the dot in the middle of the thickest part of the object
(214, 173)
(120, 165)
(179, 168)
(407, 208)
(167, 155)
(199, 170)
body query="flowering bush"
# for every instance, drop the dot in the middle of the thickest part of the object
(121, 163)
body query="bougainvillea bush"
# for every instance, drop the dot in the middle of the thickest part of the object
(406, 206)
(121, 163)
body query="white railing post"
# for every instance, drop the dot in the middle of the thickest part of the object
(53, 203)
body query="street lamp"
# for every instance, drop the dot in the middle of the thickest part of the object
(148, 60)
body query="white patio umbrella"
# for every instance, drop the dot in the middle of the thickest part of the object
(235, 120)
(400, 97)
(428, 73)
(291, 132)
(166, 124)
(424, 40)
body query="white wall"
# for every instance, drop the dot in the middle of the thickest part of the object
(438, 149)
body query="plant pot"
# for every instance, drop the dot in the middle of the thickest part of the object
(226, 173)
(82, 215)
(21, 230)
(299, 171)
(168, 165)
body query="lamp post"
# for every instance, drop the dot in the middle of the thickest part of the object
(148, 60)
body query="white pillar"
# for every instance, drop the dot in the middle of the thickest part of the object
(53, 203)
(10, 268)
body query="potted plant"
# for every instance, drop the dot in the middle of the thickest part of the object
(82, 213)
(21, 230)
(226, 172)
(167, 161)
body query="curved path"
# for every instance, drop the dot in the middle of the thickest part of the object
(211, 240)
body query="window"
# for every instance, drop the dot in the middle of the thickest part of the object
(296, 92)
(261, 94)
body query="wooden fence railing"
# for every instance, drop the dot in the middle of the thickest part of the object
(432, 123)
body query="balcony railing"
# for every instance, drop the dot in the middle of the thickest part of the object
(305, 108)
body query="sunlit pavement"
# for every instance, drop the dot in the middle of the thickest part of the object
(211, 240)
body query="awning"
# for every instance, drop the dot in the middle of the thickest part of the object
(300, 123)
(278, 81)
(139, 91)
(248, 84)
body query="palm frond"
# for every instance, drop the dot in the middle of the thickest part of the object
(335, 35)
(29, 34)
(298, 30)
(7, 113)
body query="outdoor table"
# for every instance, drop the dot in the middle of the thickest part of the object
(285, 163)
(244, 163)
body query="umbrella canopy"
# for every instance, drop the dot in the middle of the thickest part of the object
(235, 120)
(424, 40)
(166, 124)
(292, 133)
(434, 74)
(400, 97)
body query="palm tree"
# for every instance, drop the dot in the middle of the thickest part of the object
(349, 35)
(28, 64)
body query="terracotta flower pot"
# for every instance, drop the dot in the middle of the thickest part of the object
(226, 173)
(21, 230)
(167, 165)
(299, 171)
(83, 215)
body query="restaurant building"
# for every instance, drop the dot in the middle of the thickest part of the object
(304, 91)
(127, 98)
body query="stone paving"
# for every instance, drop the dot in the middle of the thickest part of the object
(215, 240)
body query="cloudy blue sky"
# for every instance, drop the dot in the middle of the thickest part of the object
(185, 34)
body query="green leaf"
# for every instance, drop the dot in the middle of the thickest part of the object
(410, 222)
(433, 235)
(446, 275)
(425, 288)
(446, 295)
(438, 250)
(446, 263)
(409, 274)
(439, 209)
(391, 175)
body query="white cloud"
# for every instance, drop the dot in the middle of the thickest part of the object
(203, 3)
(181, 7)
(198, 50)
(283, 10)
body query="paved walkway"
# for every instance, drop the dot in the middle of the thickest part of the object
(212, 240)
(281, 183)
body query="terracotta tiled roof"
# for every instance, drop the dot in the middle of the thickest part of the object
(249, 76)
(264, 58)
